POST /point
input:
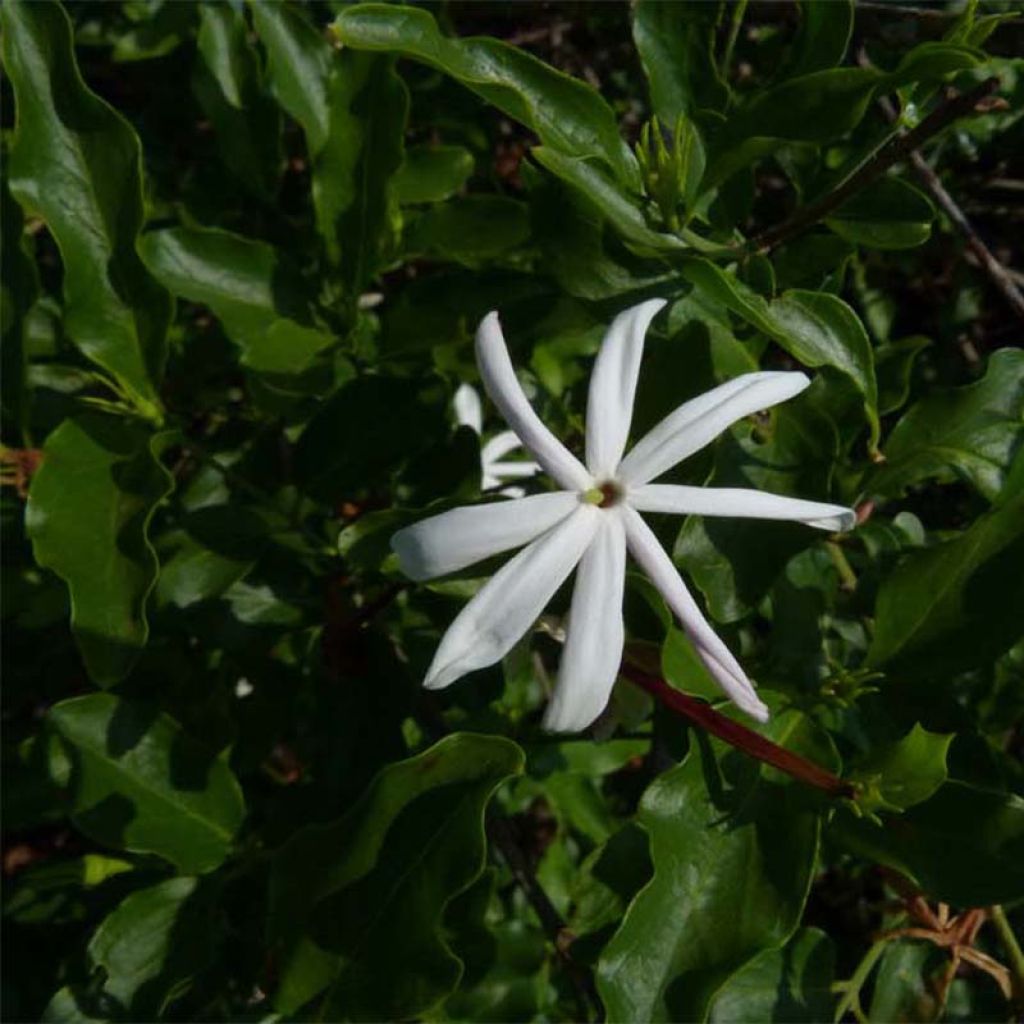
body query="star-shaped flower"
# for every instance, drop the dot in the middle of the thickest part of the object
(592, 521)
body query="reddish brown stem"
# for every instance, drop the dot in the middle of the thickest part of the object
(739, 736)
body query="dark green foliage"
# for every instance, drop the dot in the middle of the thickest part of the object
(246, 247)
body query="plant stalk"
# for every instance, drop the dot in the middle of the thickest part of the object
(739, 736)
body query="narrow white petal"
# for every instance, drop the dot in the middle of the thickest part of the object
(595, 634)
(699, 421)
(451, 541)
(500, 380)
(718, 659)
(499, 446)
(613, 387)
(739, 502)
(510, 601)
(468, 410)
(513, 470)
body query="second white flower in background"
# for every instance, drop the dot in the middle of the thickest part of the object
(592, 522)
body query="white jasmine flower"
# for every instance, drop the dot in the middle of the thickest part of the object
(592, 521)
(495, 469)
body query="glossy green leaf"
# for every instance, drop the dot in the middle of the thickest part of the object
(676, 46)
(152, 944)
(470, 230)
(733, 854)
(432, 173)
(566, 114)
(955, 605)
(75, 162)
(353, 156)
(791, 985)
(823, 36)
(900, 990)
(140, 783)
(228, 84)
(621, 211)
(964, 845)
(735, 561)
(888, 214)
(375, 883)
(970, 433)
(816, 328)
(894, 364)
(906, 772)
(88, 516)
(249, 286)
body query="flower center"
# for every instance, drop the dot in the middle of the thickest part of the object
(604, 495)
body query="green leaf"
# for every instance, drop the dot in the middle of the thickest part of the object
(249, 286)
(894, 363)
(76, 163)
(901, 984)
(675, 43)
(816, 328)
(378, 880)
(733, 853)
(888, 214)
(964, 845)
(140, 783)
(970, 432)
(353, 155)
(734, 562)
(152, 945)
(823, 36)
(432, 173)
(956, 605)
(566, 114)
(88, 516)
(791, 985)
(620, 210)
(226, 80)
(470, 230)
(907, 772)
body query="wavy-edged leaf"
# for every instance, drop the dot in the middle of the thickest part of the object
(791, 985)
(432, 173)
(227, 81)
(76, 163)
(888, 214)
(733, 851)
(970, 432)
(566, 114)
(676, 46)
(956, 605)
(816, 328)
(906, 772)
(353, 155)
(250, 286)
(140, 783)
(374, 884)
(152, 944)
(88, 517)
(470, 230)
(964, 845)
(823, 36)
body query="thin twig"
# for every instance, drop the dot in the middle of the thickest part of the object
(739, 736)
(999, 274)
(502, 833)
(892, 151)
